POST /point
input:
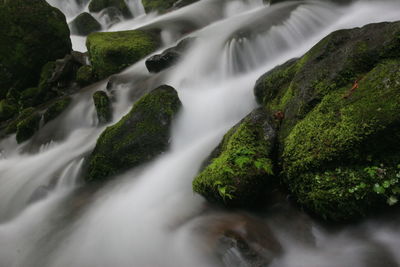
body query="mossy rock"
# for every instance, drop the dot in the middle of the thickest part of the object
(138, 137)
(84, 75)
(84, 24)
(111, 52)
(12, 126)
(56, 109)
(29, 97)
(103, 106)
(343, 131)
(7, 110)
(28, 127)
(341, 58)
(32, 33)
(99, 5)
(240, 169)
(157, 5)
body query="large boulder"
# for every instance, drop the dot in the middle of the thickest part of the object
(84, 24)
(32, 33)
(111, 52)
(120, 5)
(340, 124)
(240, 168)
(138, 137)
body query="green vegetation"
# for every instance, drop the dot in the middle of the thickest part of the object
(241, 165)
(84, 76)
(27, 127)
(103, 106)
(111, 52)
(138, 137)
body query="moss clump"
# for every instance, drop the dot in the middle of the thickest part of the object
(32, 33)
(99, 5)
(344, 130)
(103, 106)
(111, 52)
(138, 137)
(56, 109)
(28, 127)
(84, 24)
(12, 126)
(84, 76)
(29, 97)
(157, 5)
(7, 110)
(241, 166)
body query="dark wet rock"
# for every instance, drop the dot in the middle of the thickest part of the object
(168, 58)
(103, 106)
(84, 24)
(80, 58)
(138, 137)
(240, 240)
(339, 132)
(240, 168)
(99, 5)
(32, 34)
(165, 5)
(85, 75)
(111, 52)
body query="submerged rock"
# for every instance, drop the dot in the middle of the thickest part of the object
(167, 58)
(341, 126)
(138, 137)
(32, 34)
(111, 52)
(84, 24)
(99, 5)
(240, 168)
(103, 106)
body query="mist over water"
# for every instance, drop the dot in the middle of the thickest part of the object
(149, 216)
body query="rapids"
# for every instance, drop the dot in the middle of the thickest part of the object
(149, 216)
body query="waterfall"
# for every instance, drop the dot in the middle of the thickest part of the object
(149, 216)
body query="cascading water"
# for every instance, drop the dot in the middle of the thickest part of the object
(149, 216)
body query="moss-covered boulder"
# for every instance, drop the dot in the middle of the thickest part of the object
(32, 33)
(12, 126)
(240, 168)
(56, 109)
(84, 75)
(138, 137)
(27, 127)
(99, 5)
(84, 24)
(339, 109)
(111, 52)
(103, 106)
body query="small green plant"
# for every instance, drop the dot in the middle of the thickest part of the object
(386, 184)
(225, 191)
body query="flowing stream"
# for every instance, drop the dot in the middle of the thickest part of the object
(149, 216)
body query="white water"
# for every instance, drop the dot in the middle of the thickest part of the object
(149, 216)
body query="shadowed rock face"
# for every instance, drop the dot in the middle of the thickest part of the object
(138, 137)
(32, 33)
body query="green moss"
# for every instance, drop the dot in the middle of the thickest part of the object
(342, 130)
(111, 52)
(242, 167)
(28, 127)
(29, 97)
(33, 33)
(103, 106)
(12, 126)
(157, 5)
(56, 109)
(84, 76)
(138, 137)
(7, 110)
(84, 24)
(99, 5)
